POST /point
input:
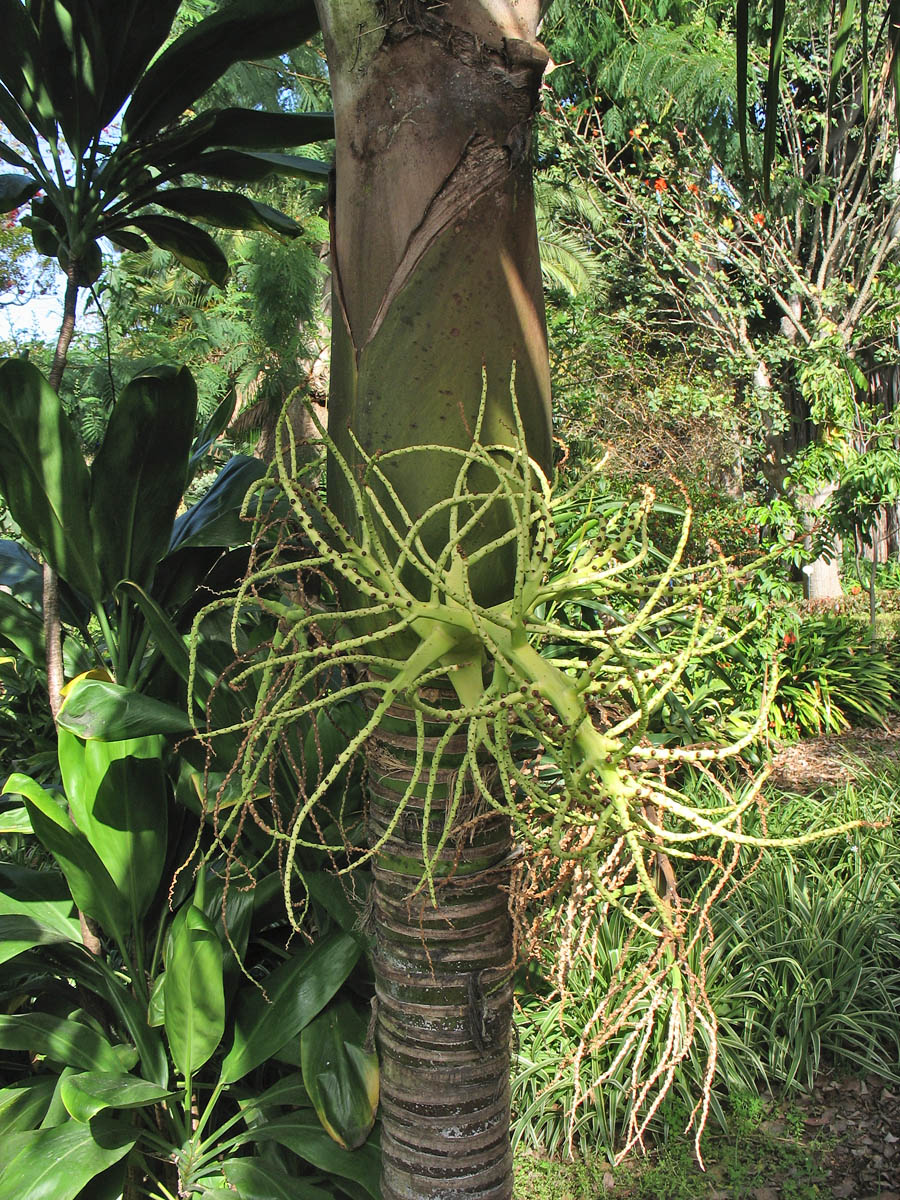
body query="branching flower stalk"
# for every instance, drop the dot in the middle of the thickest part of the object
(559, 748)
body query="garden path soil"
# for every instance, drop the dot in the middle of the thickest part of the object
(832, 760)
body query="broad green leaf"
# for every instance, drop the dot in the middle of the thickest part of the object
(19, 933)
(193, 992)
(43, 477)
(21, 627)
(58, 1163)
(156, 1007)
(193, 248)
(773, 90)
(15, 819)
(255, 1180)
(245, 129)
(289, 1092)
(126, 240)
(239, 166)
(99, 709)
(7, 154)
(87, 1094)
(139, 474)
(73, 66)
(66, 1042)
(117, 796)
(215, 520)
(295, 993)
(21, 573)
(228, 210)
(170, 643)
(95, 974)
(15, 190)
(92, 886)
(304, 1136)
(21, 69)
(241, 30)
(24, 1105)
(340, 1075)
(134, 31)
(42, 896)
(213, 429)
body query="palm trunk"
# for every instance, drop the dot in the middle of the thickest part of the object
(437, 307)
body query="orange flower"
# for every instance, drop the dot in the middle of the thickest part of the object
(759, 219)
(789, 639)
(696, 237)
(693, 189)
(660, 185)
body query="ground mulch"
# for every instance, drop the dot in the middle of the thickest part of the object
(833, 759)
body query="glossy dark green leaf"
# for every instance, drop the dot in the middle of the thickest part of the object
(90, 1092)
(67, 1042)
(20, 933)
(193, 992)
(239, 166)
(73, 67)
(241, 30)
(110, 712)
(15, 190)
(21, 573)
(24, 1105)
(192, 247)
(126, 240)
(170, 643)
(21, 69)
(139, 473)
(255, 1180)
(7, 154)
(295, 993)
(228, 210)
(213, 429)
(43, 896)
(43, 476)
(134, 30)
(742, 39)
(94, 974)
(58, 1163)
(251, 129)
(341, 1076)
(215, 520)
(92, 886)
(22, 628)
(773, 86)
(304, 1136)
(117, 797)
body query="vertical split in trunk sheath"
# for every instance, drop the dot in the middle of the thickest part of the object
(443, 977)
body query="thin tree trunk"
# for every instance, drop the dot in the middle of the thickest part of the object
(52, 626)
(438, 306)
